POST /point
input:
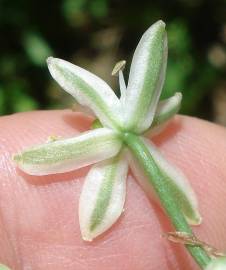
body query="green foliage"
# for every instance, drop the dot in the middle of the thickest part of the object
(79, 12)
(37, 48)
(183, 67)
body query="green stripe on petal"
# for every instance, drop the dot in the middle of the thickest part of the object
(103, 196)
(69, 154)
(146, 78)
(174, 180)
(88, 89)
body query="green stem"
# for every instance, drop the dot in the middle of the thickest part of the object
(157, 180)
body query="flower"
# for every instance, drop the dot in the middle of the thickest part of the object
(138, 112)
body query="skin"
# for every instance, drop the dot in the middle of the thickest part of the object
(39, 226)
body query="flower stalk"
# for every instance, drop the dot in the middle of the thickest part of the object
(158, 181)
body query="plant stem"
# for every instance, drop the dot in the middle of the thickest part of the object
(157, 180)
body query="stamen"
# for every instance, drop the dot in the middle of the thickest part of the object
(118, 66)
(118, 71)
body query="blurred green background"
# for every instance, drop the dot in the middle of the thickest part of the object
(97, 33)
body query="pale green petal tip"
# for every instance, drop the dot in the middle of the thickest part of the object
(3, 267)
(158, 26)
(160, 23)
(49, 60)
(89, 236)
(19, 162)
(17, 158)
(217, 264)
(194, 218)
(195, 221)
(179, 95)
(86, 238)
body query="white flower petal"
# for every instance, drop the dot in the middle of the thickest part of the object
(69, 154)
(166, 109)
(103, 196)
(176, 181)
(146, 78)
(88, 89)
